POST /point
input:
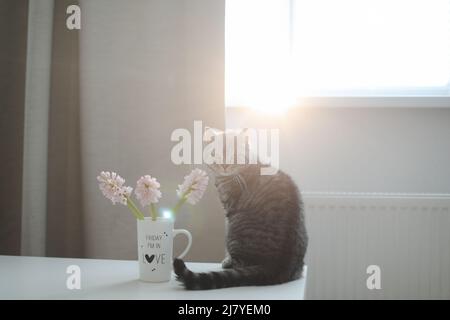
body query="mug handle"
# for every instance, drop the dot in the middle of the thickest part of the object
(188, 235)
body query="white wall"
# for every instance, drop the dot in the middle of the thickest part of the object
(400, 150)
(147, 68)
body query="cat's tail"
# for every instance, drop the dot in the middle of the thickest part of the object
(242, 276)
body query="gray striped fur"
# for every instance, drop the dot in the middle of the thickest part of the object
(266, 238)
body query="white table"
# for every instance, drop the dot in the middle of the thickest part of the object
(45, 278)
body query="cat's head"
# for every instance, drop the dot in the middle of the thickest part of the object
(228, 152)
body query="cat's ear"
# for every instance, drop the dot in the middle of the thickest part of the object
(209, 133)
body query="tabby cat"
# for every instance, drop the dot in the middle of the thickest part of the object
(266, 237)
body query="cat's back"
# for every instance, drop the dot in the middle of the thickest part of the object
(279, 188)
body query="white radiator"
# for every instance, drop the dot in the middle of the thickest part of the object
(406, 235)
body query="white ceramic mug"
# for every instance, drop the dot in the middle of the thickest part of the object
(155, 246)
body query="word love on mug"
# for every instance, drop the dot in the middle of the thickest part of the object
(155, 248)
(154, 242)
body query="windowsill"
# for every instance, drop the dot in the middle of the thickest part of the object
(373, 102)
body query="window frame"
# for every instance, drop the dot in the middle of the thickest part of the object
(431, 97)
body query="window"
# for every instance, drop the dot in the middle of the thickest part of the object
(280, 50)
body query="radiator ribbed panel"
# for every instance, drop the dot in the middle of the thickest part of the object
(408, 236)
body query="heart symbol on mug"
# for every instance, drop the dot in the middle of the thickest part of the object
(149, 258)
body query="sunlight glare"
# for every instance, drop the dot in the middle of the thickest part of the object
(346, 47)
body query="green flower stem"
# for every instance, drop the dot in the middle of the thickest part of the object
(137, 213)
(178, 205)
(153, 211)
(180, 202)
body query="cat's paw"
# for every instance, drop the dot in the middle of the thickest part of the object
(227, 263)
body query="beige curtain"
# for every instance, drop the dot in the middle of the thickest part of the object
(13, 44)
(51, 195)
